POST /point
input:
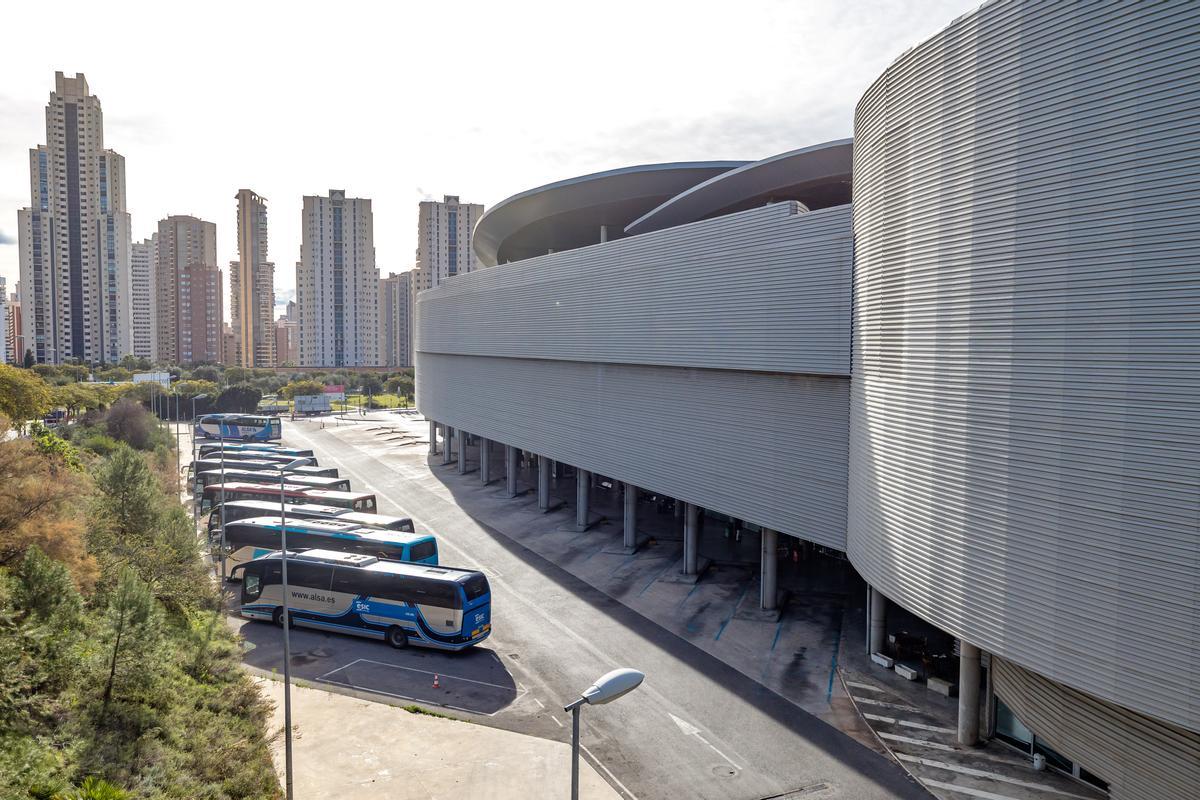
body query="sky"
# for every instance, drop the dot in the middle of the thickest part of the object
(401, 102)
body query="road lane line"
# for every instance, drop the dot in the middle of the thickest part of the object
(980, 793)
(895, 737)
(556, 722)
(918, 725)
(868, 701)
(867, 686)
(688, 729)
(608, 772)
(995, 776)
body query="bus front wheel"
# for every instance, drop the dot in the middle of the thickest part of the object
(397, 638)
(277, 618)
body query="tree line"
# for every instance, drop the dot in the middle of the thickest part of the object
(203, 388)
(118, 676)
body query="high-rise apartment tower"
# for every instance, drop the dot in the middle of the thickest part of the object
(75, 236)
(189, 294)
(337, 284)
(444, 238)
(252, 285)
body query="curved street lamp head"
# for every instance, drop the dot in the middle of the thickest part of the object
(615, 684)
(299, 462)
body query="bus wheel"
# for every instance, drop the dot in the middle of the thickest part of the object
(396, 637)
(277, 618)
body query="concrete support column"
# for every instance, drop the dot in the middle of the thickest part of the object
(433, 433)
(447, 444)
(543, 486)
(583, 483)
(630, 524)
(510, 469)
(691, 539)
(485, 457)
(678, 509)
(462, 450)
(968, 693)
(877, 620)
(769, 570)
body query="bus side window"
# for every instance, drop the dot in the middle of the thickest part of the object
(272, 574)
(312, 576)
(419, 551)
(345, 581)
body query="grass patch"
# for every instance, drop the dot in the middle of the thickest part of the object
(413, 708)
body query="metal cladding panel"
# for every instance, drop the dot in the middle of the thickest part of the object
(766, 448)
(1025, 410)
(766, 289)
(1140, 758)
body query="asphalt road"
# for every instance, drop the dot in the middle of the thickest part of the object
(696, 727)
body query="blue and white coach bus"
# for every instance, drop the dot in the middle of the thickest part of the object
(243, 427)
(254, 447)
(398, 602)
(254, 537)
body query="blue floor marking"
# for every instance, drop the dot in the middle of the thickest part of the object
(837, 642)
(721, 629)
(778, 630)
(654, 580)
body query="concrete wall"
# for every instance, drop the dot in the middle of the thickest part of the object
(706, 362)
(1025, 412)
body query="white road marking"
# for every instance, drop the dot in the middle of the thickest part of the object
(540, 703)
(979, 773)
(968, 791)
(556, 721)
(919, 725)
(373, 690)
(870, 702)
(895, 737)
(866, 686)
(688, 729)
(608, 772)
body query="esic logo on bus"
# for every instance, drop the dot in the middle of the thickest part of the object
(479, 618)
(362, 607)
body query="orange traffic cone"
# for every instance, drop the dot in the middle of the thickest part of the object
(436, 685)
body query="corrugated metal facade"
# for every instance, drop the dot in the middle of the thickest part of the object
(767, 448)
(1025, 412)
(705, 362)
(766, 289)
(1140, 758)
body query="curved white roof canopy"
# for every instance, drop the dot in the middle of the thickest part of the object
(569, 213)
(818, 176)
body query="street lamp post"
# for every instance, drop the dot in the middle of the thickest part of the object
(287, 623)
(178, 454)
(607, 688)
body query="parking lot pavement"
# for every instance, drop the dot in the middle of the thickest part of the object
(698, 727)
(345, 747)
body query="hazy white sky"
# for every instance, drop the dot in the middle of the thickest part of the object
(403, 101)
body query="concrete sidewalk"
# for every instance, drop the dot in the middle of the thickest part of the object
(344, 747)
